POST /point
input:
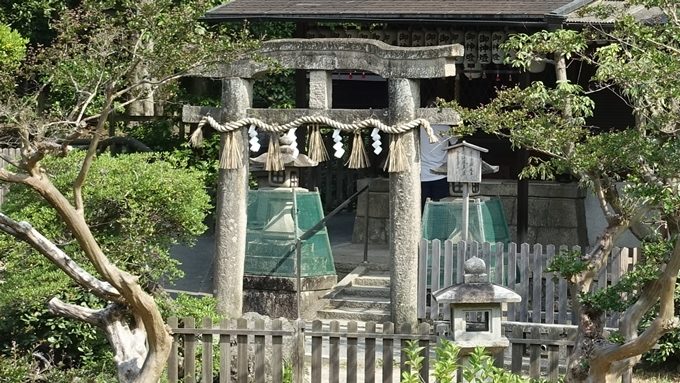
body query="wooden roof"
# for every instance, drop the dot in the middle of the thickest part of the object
(387, 10)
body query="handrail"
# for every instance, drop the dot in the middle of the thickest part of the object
(319, 225)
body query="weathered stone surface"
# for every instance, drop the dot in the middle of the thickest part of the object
(332, 54)
(232, 194)
(475, 293)
(283, 303)
(320, 89)
(377, 230)
(404, 96)
(259, 282)
(378, 205)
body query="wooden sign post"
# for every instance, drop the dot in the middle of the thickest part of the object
(464, 165)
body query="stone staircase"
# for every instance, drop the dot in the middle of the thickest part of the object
(363, 295)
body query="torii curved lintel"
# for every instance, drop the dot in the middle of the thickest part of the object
(366, 55)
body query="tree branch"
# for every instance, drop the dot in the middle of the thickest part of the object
(91, 153)
(85, 314)
(25, 232)
(664, 288)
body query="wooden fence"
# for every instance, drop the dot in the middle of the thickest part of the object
(6, 154)
(545, 297)
(250, 351)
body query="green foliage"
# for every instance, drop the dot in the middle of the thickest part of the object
(479, 369)
(414, 362)
(185, 305)
(445, 365)
(12, 49)
(137, 205)
(567, 263)
(542, 45)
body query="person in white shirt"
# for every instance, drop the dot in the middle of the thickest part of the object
(433, 155)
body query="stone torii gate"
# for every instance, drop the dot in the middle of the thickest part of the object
(402, 67)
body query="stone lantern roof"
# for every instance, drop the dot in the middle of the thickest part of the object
(476, 289)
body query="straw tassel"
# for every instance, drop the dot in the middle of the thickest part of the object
(231, 155)
(397, 157)
(274, 162)
(196, 139)
(316, 148)
(358, 158)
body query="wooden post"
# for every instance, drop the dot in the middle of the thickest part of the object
(466, 210)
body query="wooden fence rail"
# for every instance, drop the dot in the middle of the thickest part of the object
(255, 351)
(523, 268)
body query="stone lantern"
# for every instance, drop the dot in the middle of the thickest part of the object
(476, 309)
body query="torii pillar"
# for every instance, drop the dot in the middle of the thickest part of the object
(404, 99)
(232, 197)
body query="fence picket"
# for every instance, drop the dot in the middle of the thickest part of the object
(352, 352)
(369, 355)
(334, 353)
(461, 250)
(172, 359)
(405, 329)
(388, 352)
(535, 355)
(189, 351)
(277, 354)
(524, 282)
(424, 342)
(207, 365)
(317, 349)
(448, 271)
(448, 263)
(486, 257)
(563, 294)
(242, 352)
(259, 352)
(616, 271)
(553, 356)
(512, 277)
(516, 351)
(225, 354)
(434, 280)
(537, 283)
(499, 265)
(549, 286)
(422, 277)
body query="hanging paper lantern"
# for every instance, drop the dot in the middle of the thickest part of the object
(471, 48)
(484, 47)
(497, 54)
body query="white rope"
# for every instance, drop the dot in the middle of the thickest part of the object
(322, 120)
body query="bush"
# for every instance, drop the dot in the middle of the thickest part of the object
(137, 206)
(479, 369)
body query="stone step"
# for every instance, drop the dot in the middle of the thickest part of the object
(361, 302)
(378, 280)
(364, 291)
(355, 314)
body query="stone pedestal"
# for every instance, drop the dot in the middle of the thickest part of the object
(277, 296)
(378, 203)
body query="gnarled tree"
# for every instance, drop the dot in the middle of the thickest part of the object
(633, 172)
(69, 91)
